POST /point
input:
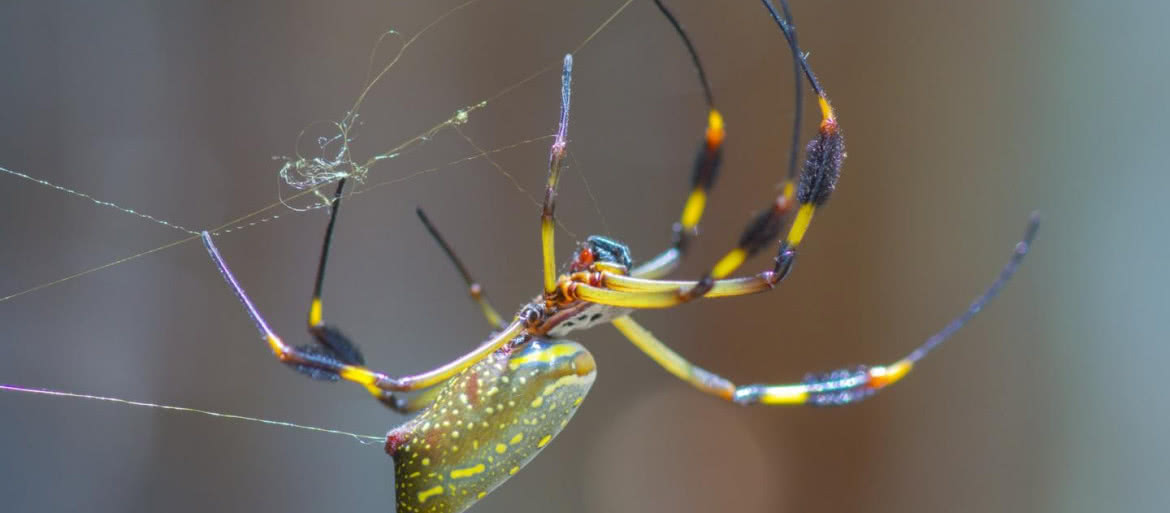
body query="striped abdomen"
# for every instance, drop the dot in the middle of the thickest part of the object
(486, 424)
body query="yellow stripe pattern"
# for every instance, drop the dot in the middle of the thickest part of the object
(693, 210)
(800, 224)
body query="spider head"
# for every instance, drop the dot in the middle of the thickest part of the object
(598, 249)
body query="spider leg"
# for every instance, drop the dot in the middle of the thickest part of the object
(556, 156)
(835, 388)
(767, 224)
(706, 168)
(822, 166)
(847, 386)
(473, 287)
(426, 397)
(332, 343)
(818, 177)
(823, 158)
(329, 366)
(663, 355)
(628, 292)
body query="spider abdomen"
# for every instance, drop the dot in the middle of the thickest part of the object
(486, 424)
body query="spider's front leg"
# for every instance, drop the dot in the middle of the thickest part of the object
(824, 156)
(817, 180)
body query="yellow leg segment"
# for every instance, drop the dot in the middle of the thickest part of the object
(835, 388)
(736, 257)
(378, 381)
(623, 299)
(556, 156)
(800, 224)
(721, 288)
(672, 362)
(706, 169)
(315, 316)
(629, 292)
(548, 221)
(490, 314)
(693, 210)
(473, 287)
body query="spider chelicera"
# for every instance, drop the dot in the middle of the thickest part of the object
(490, 411)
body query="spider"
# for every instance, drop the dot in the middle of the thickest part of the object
(486, 414)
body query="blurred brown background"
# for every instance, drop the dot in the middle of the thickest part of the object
(961, 119)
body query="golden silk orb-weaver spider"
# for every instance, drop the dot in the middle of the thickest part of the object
(487, 413)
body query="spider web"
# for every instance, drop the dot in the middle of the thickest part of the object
(325, 152)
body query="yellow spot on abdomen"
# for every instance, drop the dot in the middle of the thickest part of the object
(426, 494)
(537, 402)
(501, 448)
(461, 473)
(544, 441)
(426, 462)
(516, 439)
(513, 470)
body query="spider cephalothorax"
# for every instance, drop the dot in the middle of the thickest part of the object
(597, 249)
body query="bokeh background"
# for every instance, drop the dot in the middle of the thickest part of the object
(961, 118)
